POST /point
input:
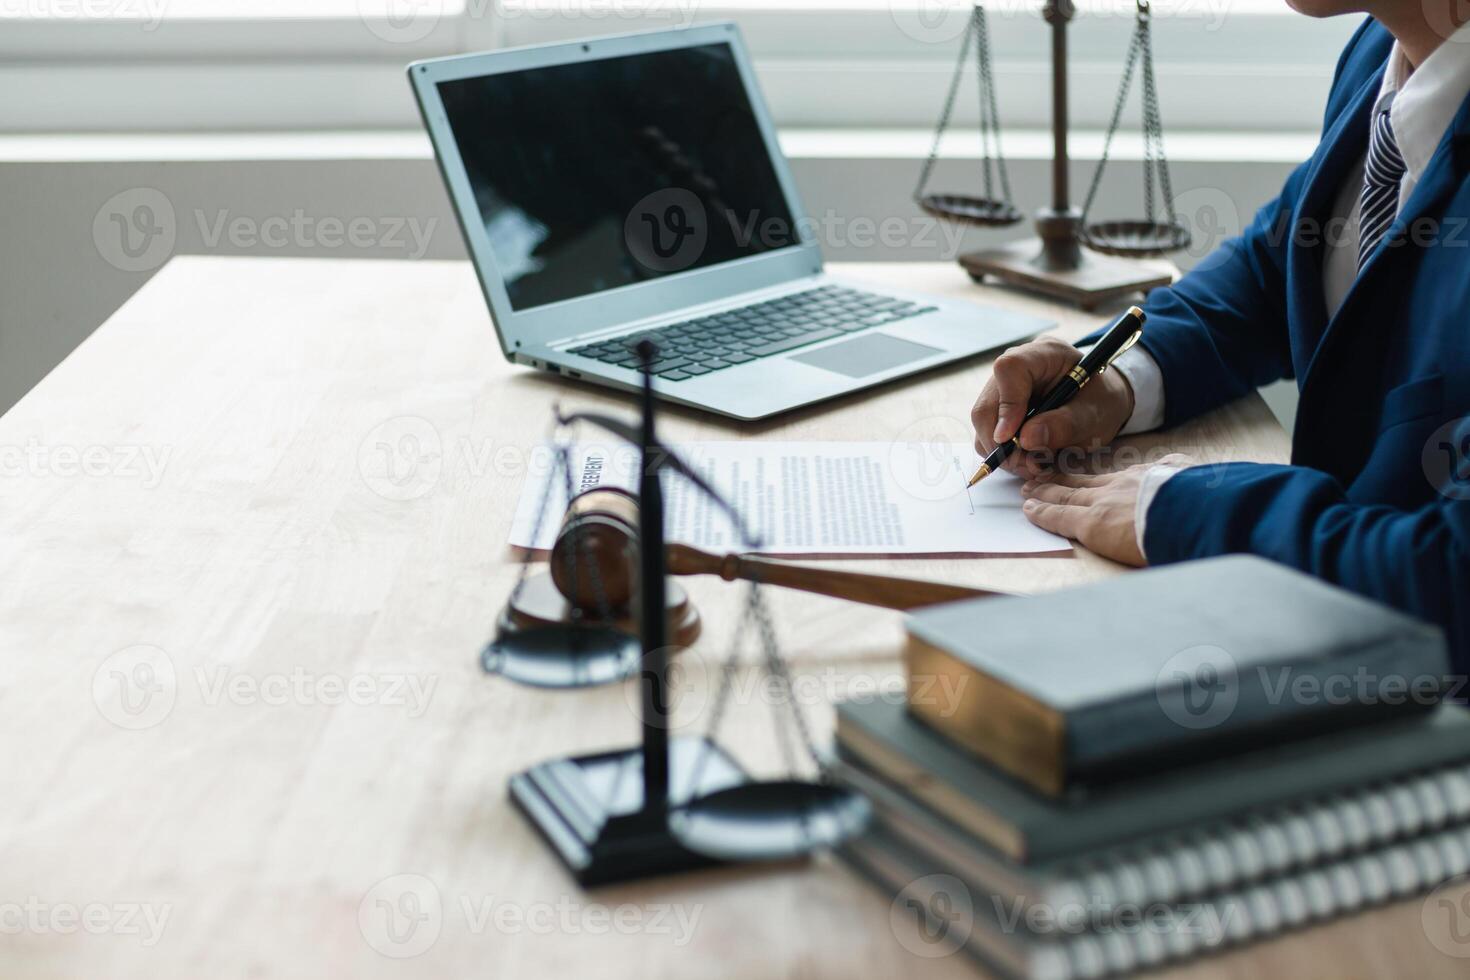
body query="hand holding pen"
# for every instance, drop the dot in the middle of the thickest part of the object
(1048, 395)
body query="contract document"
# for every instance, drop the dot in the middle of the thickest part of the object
(806, 498)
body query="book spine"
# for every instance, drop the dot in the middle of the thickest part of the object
(987, 717)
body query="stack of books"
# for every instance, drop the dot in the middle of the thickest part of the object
(998, 833)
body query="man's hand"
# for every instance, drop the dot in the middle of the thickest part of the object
(1093, 418)
(1099, 510)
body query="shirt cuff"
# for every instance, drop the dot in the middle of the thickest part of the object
(1147, 381)
(1153, 482)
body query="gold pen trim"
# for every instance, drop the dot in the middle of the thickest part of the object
(1124, 349)
(980, 474)
(1078, 374)
(1132, 311)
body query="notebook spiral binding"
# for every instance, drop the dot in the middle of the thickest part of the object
(1261, 910)
(1244, 880)
(1269, 844)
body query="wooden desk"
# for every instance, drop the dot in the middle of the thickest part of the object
(192, 482)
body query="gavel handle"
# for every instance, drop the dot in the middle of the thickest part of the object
(873, 590)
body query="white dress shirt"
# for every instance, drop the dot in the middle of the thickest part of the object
(1425, 102)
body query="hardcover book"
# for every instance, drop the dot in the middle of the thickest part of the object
(1027, 827)
(1161, 667)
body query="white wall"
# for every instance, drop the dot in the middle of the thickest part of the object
(59, 280)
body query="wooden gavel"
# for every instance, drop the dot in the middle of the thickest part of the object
(594, 564)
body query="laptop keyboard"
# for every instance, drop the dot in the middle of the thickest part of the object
(712, 343)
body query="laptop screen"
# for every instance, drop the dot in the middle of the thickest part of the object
(610, 172)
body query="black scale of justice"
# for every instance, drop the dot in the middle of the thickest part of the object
(668, 804)
(1054, 263)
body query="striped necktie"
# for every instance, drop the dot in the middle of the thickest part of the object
(1382, 174)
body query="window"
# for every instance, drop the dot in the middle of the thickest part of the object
(337, 64)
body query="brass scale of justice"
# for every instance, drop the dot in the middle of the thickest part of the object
(605, 611)
(1054, 262)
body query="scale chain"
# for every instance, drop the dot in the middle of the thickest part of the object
(1155, 163)
(1153, 123)
(989, 127)
(755, 610)
(949, 100)
(1149, 143)
(986, 170)
(992, 163)
(1128, 66)
(561, 460)
(778, 667)
(722, 698)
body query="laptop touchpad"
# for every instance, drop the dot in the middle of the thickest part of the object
(866, 355)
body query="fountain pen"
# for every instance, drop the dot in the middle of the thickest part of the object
(1118, 338)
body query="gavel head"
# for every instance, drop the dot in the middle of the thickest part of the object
(594, 562)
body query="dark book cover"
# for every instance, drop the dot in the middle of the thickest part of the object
(1163, 667)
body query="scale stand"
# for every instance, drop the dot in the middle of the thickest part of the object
(1090, 282)
(591, 809)
(607, 815)
(668, 804)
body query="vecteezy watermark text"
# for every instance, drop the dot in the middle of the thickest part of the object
(1200, 687)
(300, 230)
(146, 13)
(1361, 686)
(403, 915)
(934, 916)
(145, 464)
(688, 692)
(138, 687)
(670, 229)
(1099, 917)
(33, 916)
(138, 229)
(410, 21)
(299, 686)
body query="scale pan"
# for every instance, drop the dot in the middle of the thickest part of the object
(770, 821)
(974, 210)
(1134, 238)
(562, 656)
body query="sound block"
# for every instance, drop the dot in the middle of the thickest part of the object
(590, 809)
(540, 604)
(1097, 280)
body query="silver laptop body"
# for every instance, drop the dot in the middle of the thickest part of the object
(631, 186)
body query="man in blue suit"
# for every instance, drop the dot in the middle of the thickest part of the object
(1355, 281)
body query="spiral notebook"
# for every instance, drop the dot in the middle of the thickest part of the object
(1179, 865)
(954, 916)
(1228, 856)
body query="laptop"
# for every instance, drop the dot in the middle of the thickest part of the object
(630, 187)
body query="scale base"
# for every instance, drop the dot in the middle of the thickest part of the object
(590, 810)
(1096, 280)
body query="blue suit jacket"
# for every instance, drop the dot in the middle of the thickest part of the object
(1377, 498)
